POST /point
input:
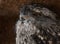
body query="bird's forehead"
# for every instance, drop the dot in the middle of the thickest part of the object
(30, 9)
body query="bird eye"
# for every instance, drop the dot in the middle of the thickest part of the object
(22, 18)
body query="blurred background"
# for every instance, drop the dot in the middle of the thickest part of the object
(9, 13)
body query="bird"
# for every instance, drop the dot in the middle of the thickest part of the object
(37, 25)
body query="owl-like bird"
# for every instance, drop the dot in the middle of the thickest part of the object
(37, 25)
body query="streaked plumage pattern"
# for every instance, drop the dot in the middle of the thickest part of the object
(37, 25)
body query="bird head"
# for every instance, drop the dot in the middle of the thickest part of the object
(35, 10)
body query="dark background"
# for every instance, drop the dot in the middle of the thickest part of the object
(9, 13)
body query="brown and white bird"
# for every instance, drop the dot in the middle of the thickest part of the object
(37, 25)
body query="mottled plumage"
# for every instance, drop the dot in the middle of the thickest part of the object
(37, 25)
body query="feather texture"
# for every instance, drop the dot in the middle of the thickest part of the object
(37, 25)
